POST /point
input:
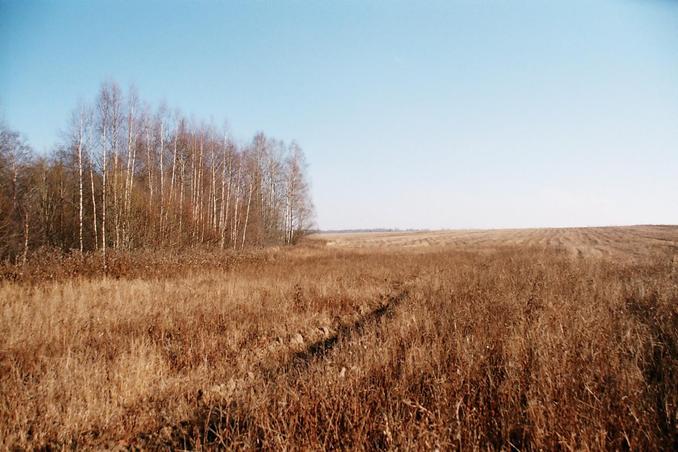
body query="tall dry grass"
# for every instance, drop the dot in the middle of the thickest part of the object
(514, 347)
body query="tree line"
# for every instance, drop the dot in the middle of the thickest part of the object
(128, 175)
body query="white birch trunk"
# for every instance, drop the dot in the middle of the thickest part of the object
(162, 176)
(247, 215)
(80, 204)
(94, 208)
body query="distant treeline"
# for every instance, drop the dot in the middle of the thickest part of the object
(128, 175)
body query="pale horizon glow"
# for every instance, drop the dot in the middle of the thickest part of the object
(422, 115)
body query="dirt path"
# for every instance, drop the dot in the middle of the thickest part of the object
(213, 405)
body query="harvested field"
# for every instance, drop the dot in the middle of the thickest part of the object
(616, 242)
(513, 339)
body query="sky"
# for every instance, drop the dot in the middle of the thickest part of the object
(436, 114)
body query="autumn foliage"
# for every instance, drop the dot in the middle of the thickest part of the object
(128, 176)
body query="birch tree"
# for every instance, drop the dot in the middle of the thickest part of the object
(129, 175)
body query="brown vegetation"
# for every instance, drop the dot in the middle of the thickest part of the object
(504, 342)
(130, 177)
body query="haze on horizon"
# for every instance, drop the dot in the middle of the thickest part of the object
(456, 114)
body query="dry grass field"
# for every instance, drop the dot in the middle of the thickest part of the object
(512, 339)
(615, 242)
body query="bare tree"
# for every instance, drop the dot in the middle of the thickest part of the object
(207, 189)
(104, 107)
(94, 207)
(81, 123)
(298, 204)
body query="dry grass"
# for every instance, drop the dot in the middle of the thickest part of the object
(616, 242)
(492, 343)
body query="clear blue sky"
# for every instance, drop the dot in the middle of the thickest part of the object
(448, 114)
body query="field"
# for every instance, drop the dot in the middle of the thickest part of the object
(513, 339)
(618, 243)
